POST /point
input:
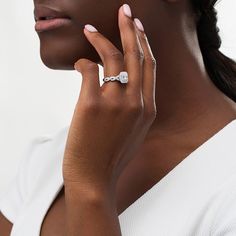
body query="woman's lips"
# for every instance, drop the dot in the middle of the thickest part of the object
(50, 24)
(48, 18)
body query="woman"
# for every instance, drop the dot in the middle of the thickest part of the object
(154, 156)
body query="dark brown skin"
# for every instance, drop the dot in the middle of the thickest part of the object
(190, 109)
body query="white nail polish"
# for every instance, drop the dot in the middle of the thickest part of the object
(90, 28)
(139, 24)
(127, 10)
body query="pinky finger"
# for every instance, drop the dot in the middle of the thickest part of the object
(149, 65)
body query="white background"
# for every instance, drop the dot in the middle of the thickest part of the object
(35, 100)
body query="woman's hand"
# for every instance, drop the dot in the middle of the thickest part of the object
(110, 122)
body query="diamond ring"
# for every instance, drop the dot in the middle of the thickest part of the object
(122, 77)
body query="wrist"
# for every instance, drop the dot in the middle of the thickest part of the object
(90, 211)
(89, 194)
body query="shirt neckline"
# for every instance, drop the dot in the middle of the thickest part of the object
(181, 164)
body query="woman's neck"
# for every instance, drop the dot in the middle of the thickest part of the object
(185, 95)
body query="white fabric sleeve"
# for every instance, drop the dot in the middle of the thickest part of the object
(13, 198)
(225, 218)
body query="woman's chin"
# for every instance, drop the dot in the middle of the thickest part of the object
(57, 60)
(65, 60)
(56, 64)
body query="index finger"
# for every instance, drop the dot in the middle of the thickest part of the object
(132, 50)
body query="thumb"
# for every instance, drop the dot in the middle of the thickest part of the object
(90, 76)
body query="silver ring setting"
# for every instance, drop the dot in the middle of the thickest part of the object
(122, 77)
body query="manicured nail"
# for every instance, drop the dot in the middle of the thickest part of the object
(139, 24)
(127, 10)
(90, 28)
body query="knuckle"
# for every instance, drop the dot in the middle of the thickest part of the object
(135, 108)
(138, 54)
(114, 107)
(115, 56)
(150, 61)
(150, 113)
(91, 106)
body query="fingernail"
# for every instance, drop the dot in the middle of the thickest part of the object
(127, 10)
(90, 28)
(139, 24)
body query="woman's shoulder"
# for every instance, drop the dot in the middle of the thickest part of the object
(46, 151)
(40, 158)
(40, 161)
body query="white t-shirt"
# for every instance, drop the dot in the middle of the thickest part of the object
(196, 198)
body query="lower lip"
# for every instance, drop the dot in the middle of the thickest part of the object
(45, 25)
